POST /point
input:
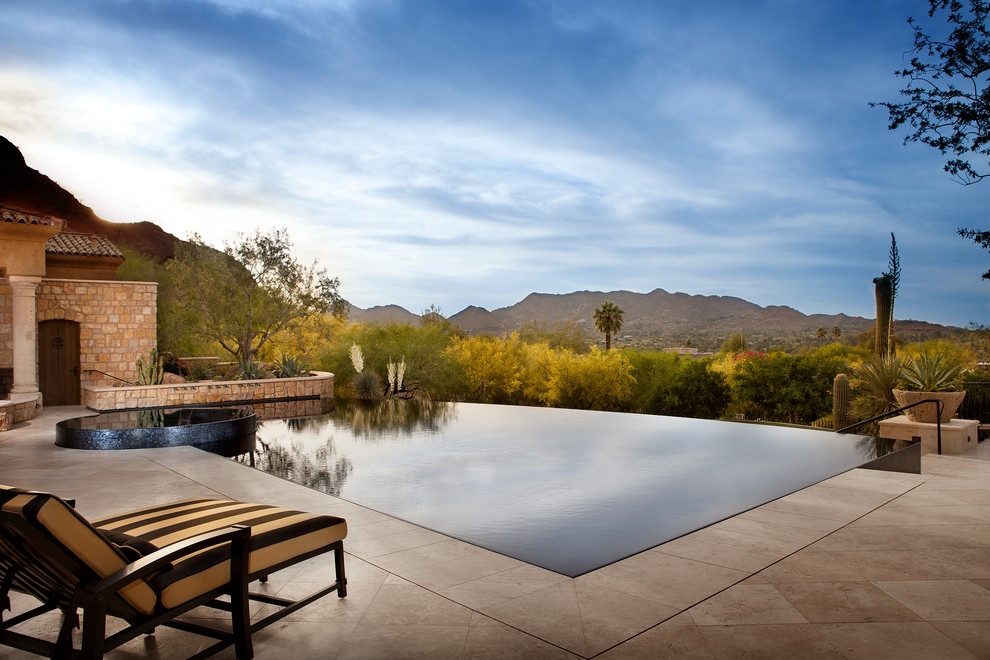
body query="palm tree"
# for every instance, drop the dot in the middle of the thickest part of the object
(608, 321)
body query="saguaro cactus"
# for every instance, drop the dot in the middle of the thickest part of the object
(841, 396)
(885, 307)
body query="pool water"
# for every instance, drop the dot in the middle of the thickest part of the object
(568, 490)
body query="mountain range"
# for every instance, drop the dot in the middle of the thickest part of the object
(660, 319)
(655, 319)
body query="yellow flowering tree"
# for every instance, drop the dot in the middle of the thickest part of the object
(492, 366)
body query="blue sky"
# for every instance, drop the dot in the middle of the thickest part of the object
(468, 152)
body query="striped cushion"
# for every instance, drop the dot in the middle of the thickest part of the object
(60, 524)
(277, 535)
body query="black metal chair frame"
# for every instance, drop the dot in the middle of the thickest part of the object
(99, 597)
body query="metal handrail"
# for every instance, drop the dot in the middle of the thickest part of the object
(939, 407)
(108, 375)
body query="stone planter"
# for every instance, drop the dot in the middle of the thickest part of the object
(927, 413)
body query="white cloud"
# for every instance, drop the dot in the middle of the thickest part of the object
(420, 177)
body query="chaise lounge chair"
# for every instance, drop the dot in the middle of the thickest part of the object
(149, 566)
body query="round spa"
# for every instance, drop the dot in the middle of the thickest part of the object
(224, 431)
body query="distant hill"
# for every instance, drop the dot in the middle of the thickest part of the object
(383, 314)
(28, 189)
(643, 312)
(659, 319)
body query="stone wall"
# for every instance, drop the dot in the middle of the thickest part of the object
(100, 398)
(18, 408)
(117, 321)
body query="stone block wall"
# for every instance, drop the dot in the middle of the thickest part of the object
(117, 321)
(19, 409)
(317, 386)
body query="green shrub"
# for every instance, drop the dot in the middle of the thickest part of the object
(778, 387)
(690, 388)
(430, 372)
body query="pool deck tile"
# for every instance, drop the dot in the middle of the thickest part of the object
(865, 564)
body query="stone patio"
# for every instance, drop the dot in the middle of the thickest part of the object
(864, 565)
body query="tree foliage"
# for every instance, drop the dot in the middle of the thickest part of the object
(981, 238)
(736, 343)
(510, 371)
(138, 267)
(493, 366)
(608, 321)
(430, 372)
(948, 101)
(559, 334)
(599, 380)
(432, 316)
(246, 295)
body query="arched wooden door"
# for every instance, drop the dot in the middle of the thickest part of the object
(58, 362)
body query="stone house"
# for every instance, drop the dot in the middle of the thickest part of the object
(64, 318)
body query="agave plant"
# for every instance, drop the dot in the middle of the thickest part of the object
(251, 370)
(932, 371)
(201, 370)
(290, 367)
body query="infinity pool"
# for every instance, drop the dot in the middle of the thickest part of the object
(568, 490)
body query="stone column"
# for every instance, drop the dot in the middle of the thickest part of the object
(25, 335)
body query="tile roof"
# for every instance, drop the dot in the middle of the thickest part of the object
(86, 245)
(11, 214)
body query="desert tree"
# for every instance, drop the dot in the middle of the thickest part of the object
(608, 321)
(432, 316)
(946, 100)
(243, 296)
(736, 343)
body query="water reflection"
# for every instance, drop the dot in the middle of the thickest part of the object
(876, 446)
(321, 468)
(377, 421)
(304, 450)
(525, 482)
(392, 419)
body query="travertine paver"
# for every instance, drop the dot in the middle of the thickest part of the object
(866, 564)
